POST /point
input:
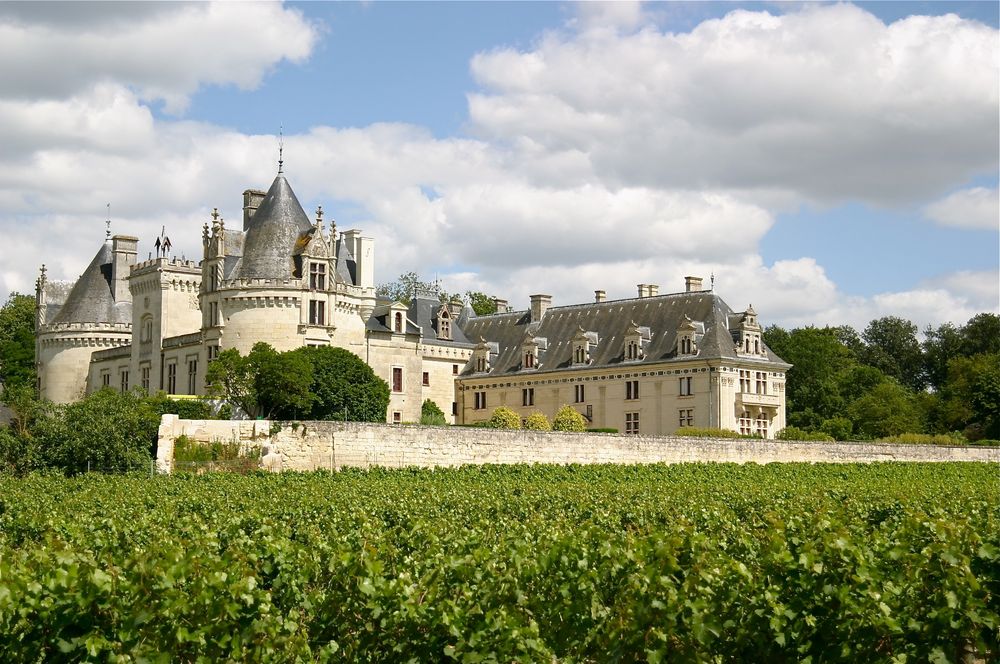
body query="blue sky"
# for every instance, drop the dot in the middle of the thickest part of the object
(829, 163)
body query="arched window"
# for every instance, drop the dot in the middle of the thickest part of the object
(633, 350)
(756, 346)
(398, 325)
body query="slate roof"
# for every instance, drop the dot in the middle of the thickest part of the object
(272, 233)
(423, 311)
(92, 299)
(662, 314)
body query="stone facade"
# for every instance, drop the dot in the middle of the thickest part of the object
(306, 446)
(645, 365)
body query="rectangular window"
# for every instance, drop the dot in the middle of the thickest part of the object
(105, 379)
(125, 380)
(686, 417)
(172, 378)
(528, 396)
(761, 382)
(454, 369)
(685, 386)
(192, 376)
(579, 394)
(317, 312)
(762, 425)
(397, 379)
(632, 423)
(631, 390)
(397, 417)
(480, 400)
(317, 276)
(454, 408)
(213, 353)
(213, 314)
(745, 385)
(144, 377)
(426, 379)
(746, 424)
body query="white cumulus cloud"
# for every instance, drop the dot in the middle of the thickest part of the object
(977, 208)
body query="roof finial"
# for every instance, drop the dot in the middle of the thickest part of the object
(713, 280)
(281, 149)
(108, 223)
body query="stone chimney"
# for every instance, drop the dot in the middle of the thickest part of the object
(501, 305)
(652, 290)
(455, 306)
(600, 296)
(539, 304)
(692, 284)
(251, 201)
(642, 290)
(123, 251)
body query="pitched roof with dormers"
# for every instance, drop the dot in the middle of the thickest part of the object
(664, 315)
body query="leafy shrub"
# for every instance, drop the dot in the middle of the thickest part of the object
(603, 430)
(343, 386)
(953, 438)
(107, 431)
(189, 453)
(431, 415)
(568, 419)
(504, 418)
(537, 422)
(706, 432)
(838, 427)
(186, 409)
(18, 454)
(795, 433)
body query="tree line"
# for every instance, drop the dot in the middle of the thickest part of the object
(886, 381)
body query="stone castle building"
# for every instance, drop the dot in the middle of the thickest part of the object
(645, 365)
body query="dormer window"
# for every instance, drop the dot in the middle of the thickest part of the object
(529, 354)
(444, 323)
(397, 325)
(581, 346)
(750, 334)
(481, 357)
(317, 276)
(634, 338)
(686, 337)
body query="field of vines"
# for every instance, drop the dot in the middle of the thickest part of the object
(687, 563)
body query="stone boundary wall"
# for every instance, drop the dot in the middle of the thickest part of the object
(332, 445)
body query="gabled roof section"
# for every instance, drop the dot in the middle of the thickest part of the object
(272, 234)
(92, 299)
(664, 315)
(424, 311)
(346, 269)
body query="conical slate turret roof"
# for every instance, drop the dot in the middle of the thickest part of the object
(272, 233)
(92, 299)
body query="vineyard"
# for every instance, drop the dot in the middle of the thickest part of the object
(686, 563)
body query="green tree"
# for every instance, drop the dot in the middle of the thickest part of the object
(537, 422)
(820, 362)
(283, 381)
(343, 387)
(940, 346)
(17, 341)
(504, 418)
(403, 288)
(891, 346)
(482, 304)
(981, 335)
(231, 376)
(431, 415)
(986, 400)
(889, 409)
(107, 431)
(568, 419)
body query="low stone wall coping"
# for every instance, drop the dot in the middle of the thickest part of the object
(332, 445)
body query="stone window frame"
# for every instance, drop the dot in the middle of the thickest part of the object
(528, 396)
(685, 417)
(632, 423)
(398, 387)
(685, 386)
(631, 390)
(317, 275)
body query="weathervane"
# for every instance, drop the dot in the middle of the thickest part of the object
(162, 244)
(281, 148)
(108, 223)
(713, 280)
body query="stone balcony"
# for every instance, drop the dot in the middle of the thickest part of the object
(768, 400)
